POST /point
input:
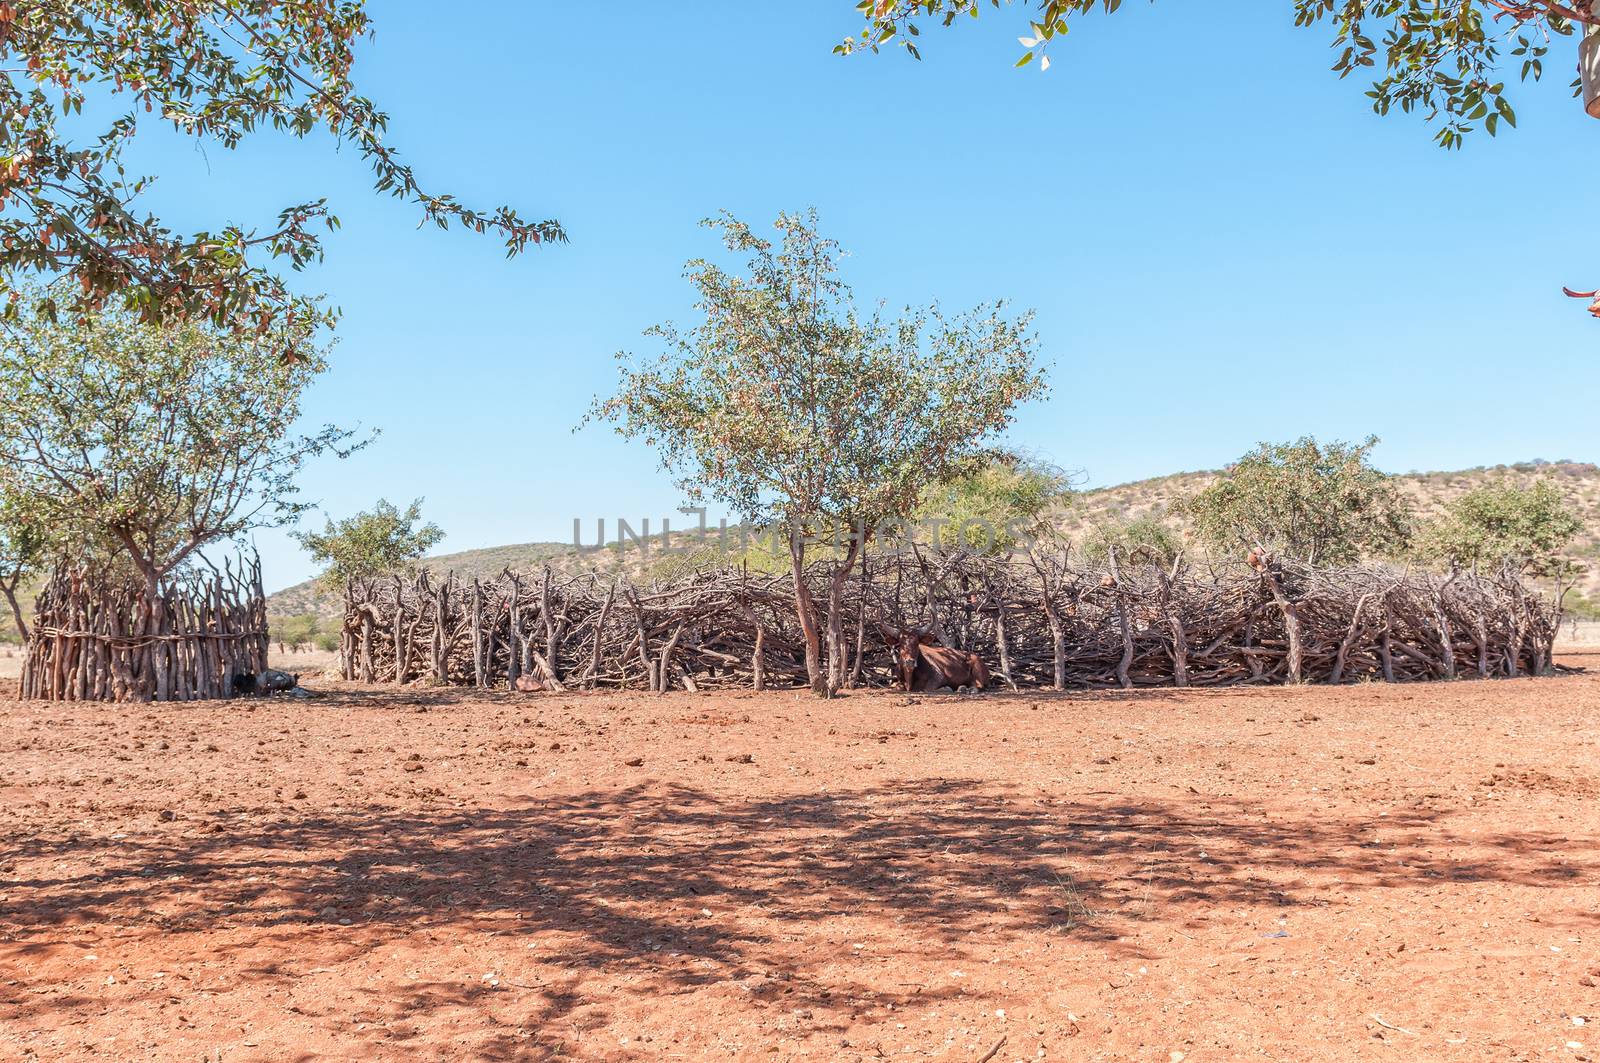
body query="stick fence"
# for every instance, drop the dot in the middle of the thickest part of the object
(1038, 621)
(95, 639)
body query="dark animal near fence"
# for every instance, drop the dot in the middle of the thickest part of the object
(270, 681)
(923, 666)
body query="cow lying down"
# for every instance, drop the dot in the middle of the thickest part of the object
(924, 666)
(272, 681)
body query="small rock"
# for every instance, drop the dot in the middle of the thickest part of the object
(167, 815)
(634, 762)
(413, 766)
(740, 758)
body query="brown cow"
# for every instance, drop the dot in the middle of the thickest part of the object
(925, 666)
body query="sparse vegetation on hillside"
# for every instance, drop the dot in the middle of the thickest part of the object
(1139, 539)
(1428, 494)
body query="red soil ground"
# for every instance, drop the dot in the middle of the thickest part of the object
(1395, 873)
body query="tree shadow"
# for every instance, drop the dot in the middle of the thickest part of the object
(679, 887)
(621, 871)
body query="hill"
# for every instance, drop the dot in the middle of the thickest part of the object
(1428, 493)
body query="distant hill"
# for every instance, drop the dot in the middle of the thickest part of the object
(1428, 492)
(312, 597)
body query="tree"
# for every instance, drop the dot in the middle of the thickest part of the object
(22, 552)
(149, 443)
(992, 505)
(1505, 524)
(296, 631)
(1317, 503)
(371, 543)
(1142, 539)
(794, 410)
(219, 71)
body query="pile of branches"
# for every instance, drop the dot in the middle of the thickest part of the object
(99, 637)
(1039, 621)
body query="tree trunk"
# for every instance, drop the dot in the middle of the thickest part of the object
(806, 612)
(1291, 625)
(758, 660)
(861, 628)
(399, 635)
(1003, 647)
(1126, 661)
(10, 591)
(838, 659)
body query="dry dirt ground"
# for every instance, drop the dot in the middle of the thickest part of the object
(1390, 873)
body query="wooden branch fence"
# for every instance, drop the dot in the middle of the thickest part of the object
(1039, 621)
(100, 640)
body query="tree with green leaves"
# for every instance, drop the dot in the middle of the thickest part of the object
(1505, 524)
(23, 553)
(386, 539)
(296, 631)
(1321, 503)
(798, 412)
(993, 505)
(218, 71)
(145, 444)
(1140, 540)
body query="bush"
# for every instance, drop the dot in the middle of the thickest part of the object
(1144, 540)
(1321, 503)
(298, 630)
(1579, 607)
(1502, 523)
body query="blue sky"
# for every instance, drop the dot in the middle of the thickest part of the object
(1223, 244)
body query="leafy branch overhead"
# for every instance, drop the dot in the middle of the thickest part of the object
(219, 70)
(1442, 60)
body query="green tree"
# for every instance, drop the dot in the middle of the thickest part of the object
(992, 505)
(1504, 523)
(387, 539)
(1317, 503)
(219, 71)
(296, 631)
(1442, 60)
(1142, 539)
(23, 552)
(145, 444)
(796, 411)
